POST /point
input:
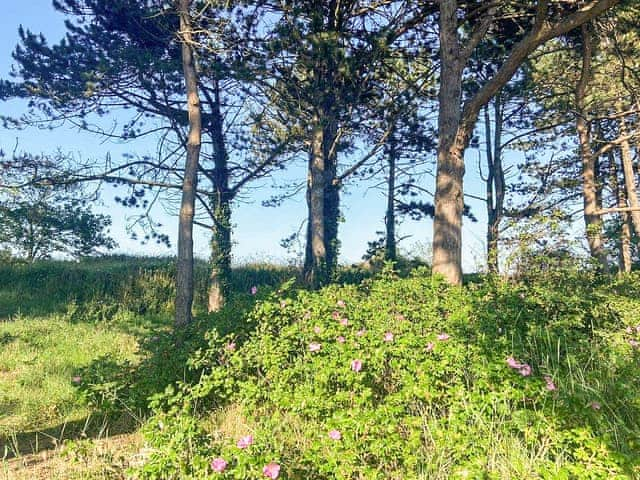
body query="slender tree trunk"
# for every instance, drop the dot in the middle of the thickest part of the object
(593, 221)
(629, 177)
(625, 218)
(449, 201)
(495, 183)
(331, 195)
(220, 275)
(316, 260)
(390, 250)
(184, 271)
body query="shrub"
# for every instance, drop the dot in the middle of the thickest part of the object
(410, 378)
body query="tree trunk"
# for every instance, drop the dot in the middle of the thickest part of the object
(390, 250)
(449, 202)
(592, 221)
(184, 270)
(495, 184)
(629, 177)
(331, 196)
(625, 219)
(316, 260)
(220, 275)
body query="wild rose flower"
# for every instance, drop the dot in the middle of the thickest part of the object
(388, 337)
(595, 405)
(513, 363)
(550, 385)
(356, 365)
(314, 347)
(336, 315)
(443, 337)
(525, 370)
(306, 316)
(271, 470)
(400, 317)
(317, 329)
(344, 322)
(361, 333)
(341, 304)
(245, 442)
(430, 346)
(218, 465)
(634, 343)
(77, 379)
(637, 328)
(335, 435)
(230, 347)
(340, 339)
(629, 330)
(254, 290)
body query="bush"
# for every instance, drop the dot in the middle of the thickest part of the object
(418, 380)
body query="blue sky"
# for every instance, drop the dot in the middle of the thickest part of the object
(258, 229)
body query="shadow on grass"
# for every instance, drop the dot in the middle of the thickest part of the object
(92, 427)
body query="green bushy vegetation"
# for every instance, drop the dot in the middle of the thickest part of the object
(388, 377)
(536, 379)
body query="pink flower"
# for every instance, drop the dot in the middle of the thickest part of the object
(314, 347)
(400, 317)
(335, 435)
(218, 465)
(340, 339)
(344, 322)
(361, 333)
(245, 442)
(550, 385)
(525, 370)
(634, 343)
(637, 328)
(513, 363)
(317, 330)
(430, 346)
(388, 337)
(356, 365)
(283, 303)
(595, 405)
(443, 337)
(306, 316)
(77, 379)
(271, 470)
(629, 330)
(230, 347)
(336, 315)
(341, 304)
(254, 290)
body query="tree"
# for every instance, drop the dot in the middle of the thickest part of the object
(40, 220)
(122, 60)
(456, 120)
(184, 271)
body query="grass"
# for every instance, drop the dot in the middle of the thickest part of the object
(95, 319)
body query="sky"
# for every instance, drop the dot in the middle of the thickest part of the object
(258, 230)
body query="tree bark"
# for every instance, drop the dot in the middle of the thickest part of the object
(220, 274)
(629, 177)
(184, 270)
(449, 203)
(592, 221)
(624, 258)
(495, 183)
(315, 271)
(390, 249)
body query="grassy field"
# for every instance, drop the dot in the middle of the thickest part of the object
(66, 329)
